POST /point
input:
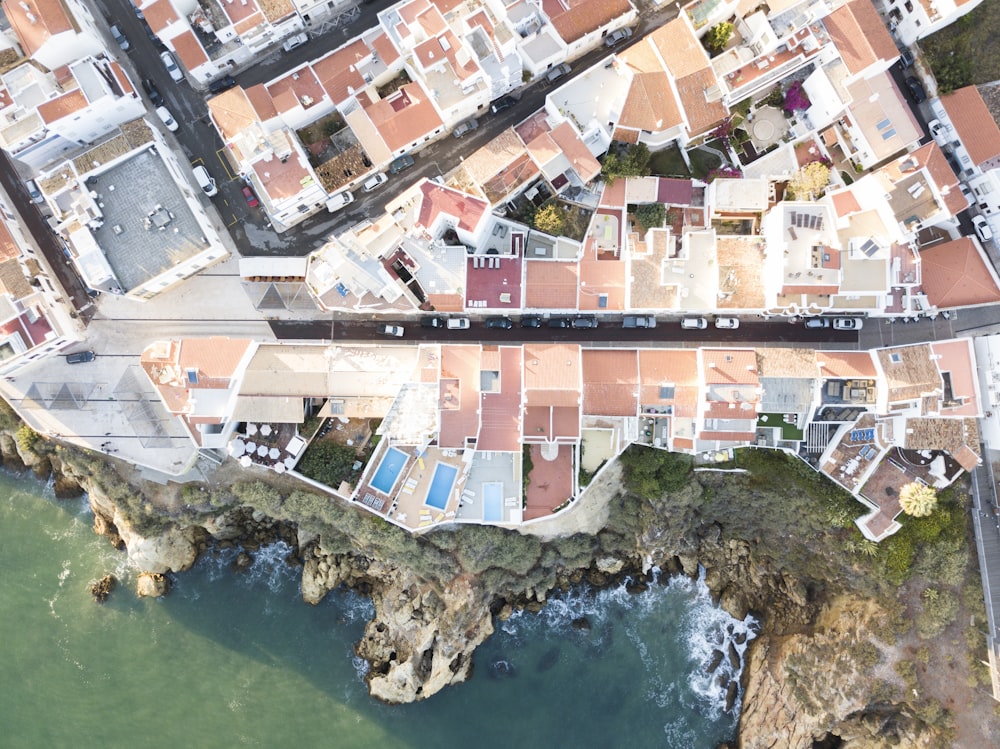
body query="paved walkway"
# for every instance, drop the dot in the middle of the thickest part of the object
(986, 519)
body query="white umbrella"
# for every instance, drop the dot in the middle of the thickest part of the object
(245, 461)
(265, 429)
(289, 463)
(279, 468)
(250, 447)
(251, 429)
(236, 448)
(262, 451)
(273, 453)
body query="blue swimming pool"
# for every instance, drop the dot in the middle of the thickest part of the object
(441, 484)
(493, 502)
(388, 470)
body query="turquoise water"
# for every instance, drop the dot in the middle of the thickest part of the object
(238, 660)
(441, 484)
(388, 470)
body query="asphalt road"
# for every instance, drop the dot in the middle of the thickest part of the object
(749, 333)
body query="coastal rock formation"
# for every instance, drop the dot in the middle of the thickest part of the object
(101, 589)
(422, 636)
(152, 585)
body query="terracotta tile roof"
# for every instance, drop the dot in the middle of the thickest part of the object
(727, 436)
(583, 161)
(486, 162)
(958, 360)
(679, 47)
(384, 47)
(215, 358)
(249, 23)
(701, 114)
(337, 72)
(914, 375)
(50, 19)
(552, 366)
(860, 35)
(62, 106)
(603, 282)
(846, 364)
(501, 412)
(120, 76)
(613, 195)
(551, 284)
(787, 362)
(445, 5)
(943, 433)
(404, 117)
(438, 200)
(459, 395)
(542, 148)
(8, 247)
(955, 274)
(446, 46)
(573, 19)
(12, 279)
(160, 14)
(973, 123)
(283, 179)
(844, 202)
(650, 104)
(299, 87)
(729, 366)
(966, 457)
(232, 112)
(261, 102)
(610, 382)
(276, 10)
(189, 50)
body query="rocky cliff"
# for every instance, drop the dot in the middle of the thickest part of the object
(810, 676)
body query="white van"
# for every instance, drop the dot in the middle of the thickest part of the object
(205, 181)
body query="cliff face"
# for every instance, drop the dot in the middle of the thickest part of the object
(810, 676)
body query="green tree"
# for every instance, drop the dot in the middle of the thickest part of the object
(918, 500)
(549, 219)
(633, 162)
(809, 181)
(718, 36)
(650, 215)
(328, 462)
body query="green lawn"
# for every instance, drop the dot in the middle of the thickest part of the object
(702, 162)
(668, 163)
(967, 51)
(788, 431)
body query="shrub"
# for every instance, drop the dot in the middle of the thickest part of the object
(939, 609)
(328, 462)
(796, 98)
(809, 181)
(718, 36)
(550, 220)
(650, 472)
(917, 499)
(633, 162)
(650, 215)
(27, 438)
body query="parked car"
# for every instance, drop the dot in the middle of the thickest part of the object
(205, 181)
(504, 102)
(33, 192)
(639, 321)
(727, 323)
(694, 323)
(81, 357)
(295, 41)
(400, 163)
(465, 128)
(168, 119)
(393, 331)
(531, 321)
(847, 323)
(584, 322)
(431, 322)
(499, 323)
(982, 228)
(458, 323)
(817, 322)
(152, 92)
(905, 57)
(559, 71)
(616, 37)
(916, 89)
(119, 36)
(339, 200)
(219, 85)
(250, 197)
(171, 66)
(374, 182)
(559, 322)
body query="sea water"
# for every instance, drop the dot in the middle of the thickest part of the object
(236, 659)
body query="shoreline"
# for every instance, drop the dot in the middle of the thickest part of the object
(429, 620)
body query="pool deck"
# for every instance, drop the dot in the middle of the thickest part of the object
(408, 508)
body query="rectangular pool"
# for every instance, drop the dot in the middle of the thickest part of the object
(493, 502)
(441, 485)
(388, 470)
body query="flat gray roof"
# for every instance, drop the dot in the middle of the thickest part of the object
(148, 227)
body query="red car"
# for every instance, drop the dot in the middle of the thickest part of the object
(251, 198)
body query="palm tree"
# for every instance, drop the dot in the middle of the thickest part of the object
(918, 500)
